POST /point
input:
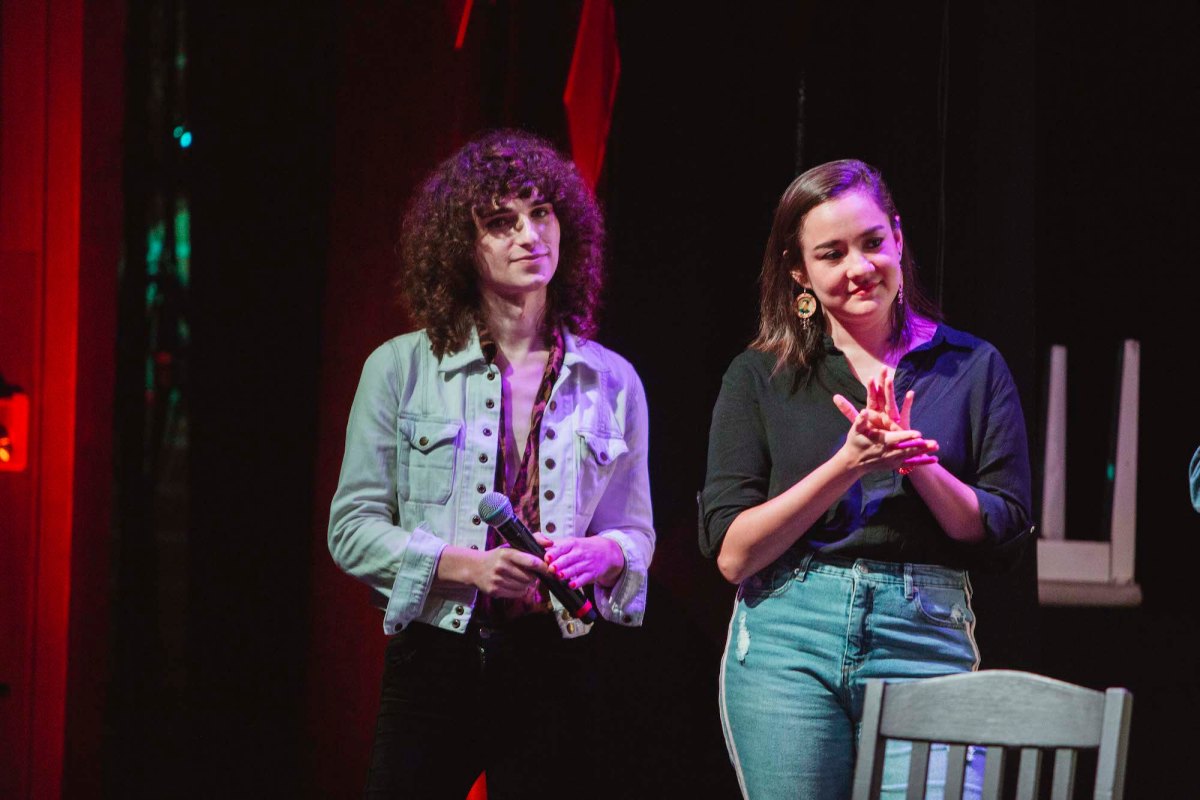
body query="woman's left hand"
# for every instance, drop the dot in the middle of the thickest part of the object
(881, 397)
(583, 560)
(884, 414)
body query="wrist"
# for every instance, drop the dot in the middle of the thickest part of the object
(459, 565)
(848, 463)
(616, 563)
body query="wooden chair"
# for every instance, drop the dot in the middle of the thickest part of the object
(1003, 710)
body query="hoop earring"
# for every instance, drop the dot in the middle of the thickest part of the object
(806, 305)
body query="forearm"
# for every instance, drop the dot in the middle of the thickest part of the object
(953, 503)
(761, 534)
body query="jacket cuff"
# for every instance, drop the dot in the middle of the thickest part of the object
(625, 601)
(414, 577)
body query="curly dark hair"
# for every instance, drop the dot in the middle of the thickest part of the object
(440, 279)
(780, 331)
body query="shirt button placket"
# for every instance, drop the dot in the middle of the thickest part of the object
(490, 422)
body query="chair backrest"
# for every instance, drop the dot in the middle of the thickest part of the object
(1005, 711)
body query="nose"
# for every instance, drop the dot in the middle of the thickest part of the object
(861, 266)
(526, 230)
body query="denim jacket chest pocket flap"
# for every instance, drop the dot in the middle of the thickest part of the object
(598, 453)
(426, 455)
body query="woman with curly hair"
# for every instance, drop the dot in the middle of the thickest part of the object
(848, 516)
(503, 390)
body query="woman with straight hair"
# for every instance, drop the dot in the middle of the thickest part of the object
(863, 457)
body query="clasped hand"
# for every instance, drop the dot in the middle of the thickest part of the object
(507, 572)
(580, 560)
(880, 438)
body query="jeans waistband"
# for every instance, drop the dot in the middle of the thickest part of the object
(880, 571)
(525, 626)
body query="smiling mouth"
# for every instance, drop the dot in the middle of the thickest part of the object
(532, 257)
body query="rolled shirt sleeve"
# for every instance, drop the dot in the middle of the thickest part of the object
(738, 459)
(1002, 479)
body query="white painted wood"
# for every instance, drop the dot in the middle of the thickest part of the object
(1074, 560)
(1076, 572)
(1124, 505)
(1074, 593)
(1054, 465)
(998, 709)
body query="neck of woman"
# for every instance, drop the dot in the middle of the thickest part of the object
(517, 323)
(868, 338)
(869, 345)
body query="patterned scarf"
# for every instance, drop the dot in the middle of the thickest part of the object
(526, 483)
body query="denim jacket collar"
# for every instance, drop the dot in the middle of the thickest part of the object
(577, 352)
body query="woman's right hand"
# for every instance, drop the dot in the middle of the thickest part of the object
(877, 443)
(507, 572)
(500, 572)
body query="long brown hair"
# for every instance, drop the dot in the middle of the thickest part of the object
(440, 279)
(780, 331)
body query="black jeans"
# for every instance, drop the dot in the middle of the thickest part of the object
(517, 702)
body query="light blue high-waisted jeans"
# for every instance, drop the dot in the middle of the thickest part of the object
(805, 636)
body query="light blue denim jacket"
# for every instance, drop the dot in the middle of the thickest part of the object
(420, 454)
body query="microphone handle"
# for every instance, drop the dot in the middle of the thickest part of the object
(574, 600)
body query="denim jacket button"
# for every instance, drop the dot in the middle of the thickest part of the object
(549, 494)
(550, 434)
(479, 487)
(551, 527)
(475, 520)
(549, 463)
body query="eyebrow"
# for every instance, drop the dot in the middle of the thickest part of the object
(507, 208)
(832, 242)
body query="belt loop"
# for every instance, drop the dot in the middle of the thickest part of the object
(802, 570)
(908, 582)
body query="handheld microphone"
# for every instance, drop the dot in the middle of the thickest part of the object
(496, 510)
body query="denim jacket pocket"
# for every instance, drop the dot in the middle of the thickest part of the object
(426, 458)
(598, 453)
(945, 606)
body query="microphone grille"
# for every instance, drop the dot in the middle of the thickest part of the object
(495, 508)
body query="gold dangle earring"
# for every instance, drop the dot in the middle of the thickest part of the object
(900, 295)
(806, 305)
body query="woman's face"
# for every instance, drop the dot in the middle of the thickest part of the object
(516, 247)
(851, 259)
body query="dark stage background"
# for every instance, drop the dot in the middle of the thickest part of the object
(1043, 160)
